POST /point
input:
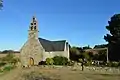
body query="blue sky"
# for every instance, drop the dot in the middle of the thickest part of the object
(80, 22)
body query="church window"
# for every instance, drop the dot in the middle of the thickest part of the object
(31, 23)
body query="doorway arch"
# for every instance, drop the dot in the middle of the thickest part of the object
(31, 61)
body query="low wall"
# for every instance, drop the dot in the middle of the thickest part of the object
(78, 68)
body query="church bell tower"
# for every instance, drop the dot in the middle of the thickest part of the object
(33, 29)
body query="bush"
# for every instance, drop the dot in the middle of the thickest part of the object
(119, 63)
(1, 71)
(89, 63)
(70, 63)
(8, 57)
(49, 61)
(42, 63)
(113, 64)
(7, 68)
(2, 64)
(59, 60)
(14, 60)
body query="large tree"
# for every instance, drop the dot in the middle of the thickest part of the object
(1, 4)
(114, 29)
(113, 38)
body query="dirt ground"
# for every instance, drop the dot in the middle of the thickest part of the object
(62, 74)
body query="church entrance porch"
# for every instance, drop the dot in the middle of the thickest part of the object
(31, 61)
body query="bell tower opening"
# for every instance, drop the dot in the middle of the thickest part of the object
(33, 29)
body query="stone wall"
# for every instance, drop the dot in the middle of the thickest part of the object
(93, 69)
(55, 53)
(31, 49)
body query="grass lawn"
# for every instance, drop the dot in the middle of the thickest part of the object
(61, 74)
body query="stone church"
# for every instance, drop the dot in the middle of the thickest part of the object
(38, 49)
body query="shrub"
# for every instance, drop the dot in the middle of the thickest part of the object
(49, 61)
(42, 63)
(8, 57)
(59, 60)
(88, 63)
(70, 63)
(14, 60)
(119, 63)
(7, 68)
(80, 60)
(2, 64)
(113, 64)
(1, 71)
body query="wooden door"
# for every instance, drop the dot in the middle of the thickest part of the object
(31, 61)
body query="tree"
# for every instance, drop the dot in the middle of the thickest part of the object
(114, 29)
(102, 55)
(113, 38)
(74, 50)
(74, 54)
(1, 4)
(101, 46)
(85, 56)
(86, 47)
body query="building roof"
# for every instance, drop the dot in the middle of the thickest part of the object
(52, 45)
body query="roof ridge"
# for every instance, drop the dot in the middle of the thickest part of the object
(44, 39)
(59, 40)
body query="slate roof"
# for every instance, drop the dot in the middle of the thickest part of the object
(52, 45)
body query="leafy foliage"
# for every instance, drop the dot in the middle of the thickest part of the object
(7, 58)
(101, 46)
(1, 4)
(86, 47)
(2, 64)
(59, 60)
(10, 58)
(7, 51)
(74, 53)
(113, 38)
(8, 68)
(71, 63)
(113, 64)
(114, 29)
(49, 61)
(88, 63)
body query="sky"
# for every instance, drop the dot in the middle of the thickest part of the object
(80, 22)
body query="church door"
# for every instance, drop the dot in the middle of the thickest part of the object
(31, 61)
